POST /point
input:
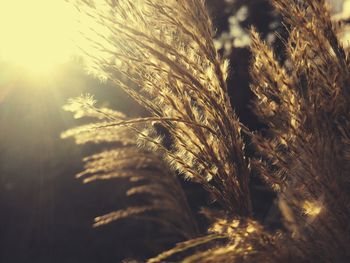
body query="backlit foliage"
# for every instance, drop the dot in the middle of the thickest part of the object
(145, 170)
(164, 53)
(165, 50)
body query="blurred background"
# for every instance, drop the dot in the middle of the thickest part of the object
(46, 214)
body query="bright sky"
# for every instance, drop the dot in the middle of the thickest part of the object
(341, 7)
(37, 34)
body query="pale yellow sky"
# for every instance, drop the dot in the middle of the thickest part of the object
(341, 8)
(38, 35)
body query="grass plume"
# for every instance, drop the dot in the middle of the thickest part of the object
(165, 54)
(149, 177)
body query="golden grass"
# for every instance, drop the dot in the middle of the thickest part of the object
(165, 53)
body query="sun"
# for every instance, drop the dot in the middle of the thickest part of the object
(37, 34)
